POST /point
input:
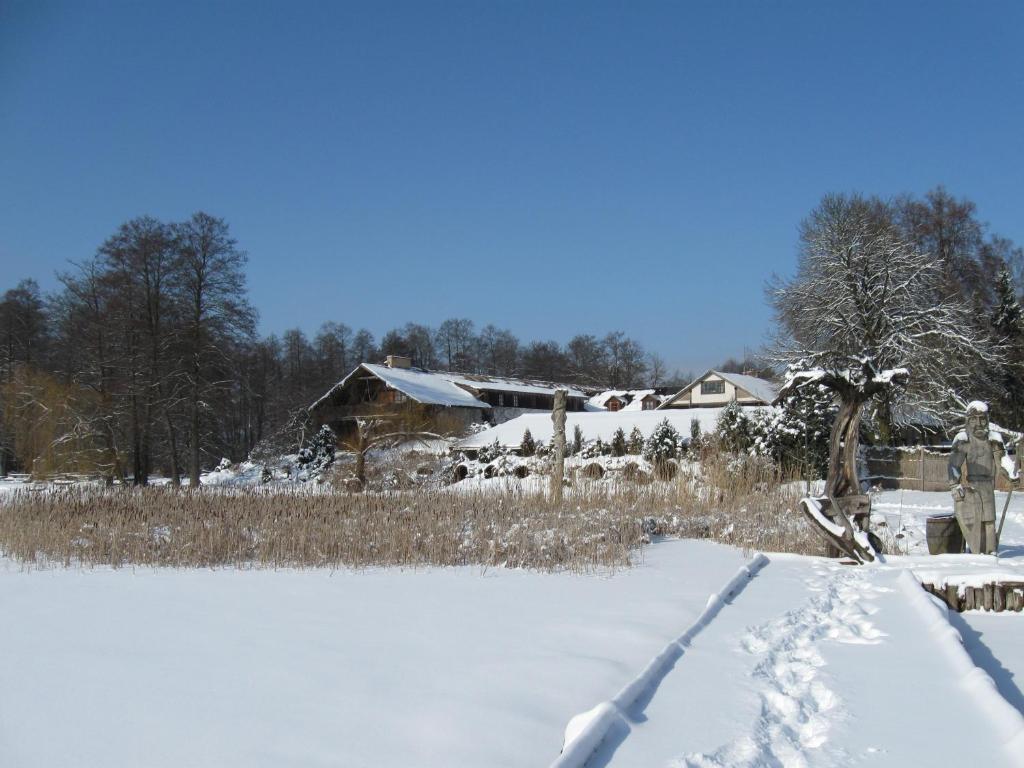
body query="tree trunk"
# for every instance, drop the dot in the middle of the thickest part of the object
(193, 467)
(172, 439)
(558, 443)
(842, 459)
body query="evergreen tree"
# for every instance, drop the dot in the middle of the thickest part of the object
(319, 454)
(733, 429)
(663, 444)
(1008, 318)
(528, 447)
(636, 442)
(577, 440)
(695, 430)
(1008, 325)
(619, 443)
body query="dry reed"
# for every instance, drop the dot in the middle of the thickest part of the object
(598, 524)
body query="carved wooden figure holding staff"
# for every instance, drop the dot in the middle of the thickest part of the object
(981, 452)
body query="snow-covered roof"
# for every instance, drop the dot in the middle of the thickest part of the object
(593, 425)
(448, 389)
(480, 381)
(761, 389)
(632, 397)
(639, 395)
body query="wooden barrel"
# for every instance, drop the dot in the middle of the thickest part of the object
(944, 535)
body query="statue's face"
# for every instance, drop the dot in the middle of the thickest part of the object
(977, 425)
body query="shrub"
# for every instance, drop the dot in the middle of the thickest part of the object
(663, 443)
(490, 452)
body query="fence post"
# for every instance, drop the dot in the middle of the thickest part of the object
(922, 467)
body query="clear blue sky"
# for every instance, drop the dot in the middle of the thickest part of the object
(550, 167)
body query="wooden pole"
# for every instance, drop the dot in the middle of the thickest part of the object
(558, 443)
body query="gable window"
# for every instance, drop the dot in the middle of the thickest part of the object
(712, 387)
(649, 404)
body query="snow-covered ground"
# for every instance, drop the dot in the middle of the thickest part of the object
(807, 663)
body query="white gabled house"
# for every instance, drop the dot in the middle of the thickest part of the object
(716, 389)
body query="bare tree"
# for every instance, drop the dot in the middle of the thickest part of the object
(588, 360)
(864, 301)
(216, 310)
(657, 371)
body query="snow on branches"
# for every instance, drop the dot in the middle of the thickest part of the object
(869, 313)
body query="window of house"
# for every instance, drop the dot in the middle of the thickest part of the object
(649, 405)
(614, 404)
(712, 387)
(501, 400)
(399, 397)
(515, 401)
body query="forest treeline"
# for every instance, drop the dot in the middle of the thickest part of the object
(146, 360)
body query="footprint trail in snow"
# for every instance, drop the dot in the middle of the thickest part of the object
(798, 707)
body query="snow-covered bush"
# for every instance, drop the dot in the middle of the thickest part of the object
(663, 444)
(318, 455)
(595, 449)
(490, 452)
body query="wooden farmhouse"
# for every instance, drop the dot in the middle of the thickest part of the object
(456, 399)
(716, 389)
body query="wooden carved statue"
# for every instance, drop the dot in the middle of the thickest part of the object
(980, 452)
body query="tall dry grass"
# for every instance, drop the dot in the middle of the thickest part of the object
(597, 525)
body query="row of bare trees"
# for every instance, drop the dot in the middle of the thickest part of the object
(135, 361)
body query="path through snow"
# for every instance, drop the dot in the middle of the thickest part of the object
(816, 664)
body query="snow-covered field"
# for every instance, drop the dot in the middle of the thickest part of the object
(808, 663)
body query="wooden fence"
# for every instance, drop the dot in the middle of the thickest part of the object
(913, 469)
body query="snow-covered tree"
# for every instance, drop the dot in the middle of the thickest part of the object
(694, 430)
(663, 444)
(733, 429)
(796, 434)
(318, 455)
(527, 446)
(864, 301)
(1008, 326)
(618, 444)
(635, 445)
(577, 440)
(1008, 318)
